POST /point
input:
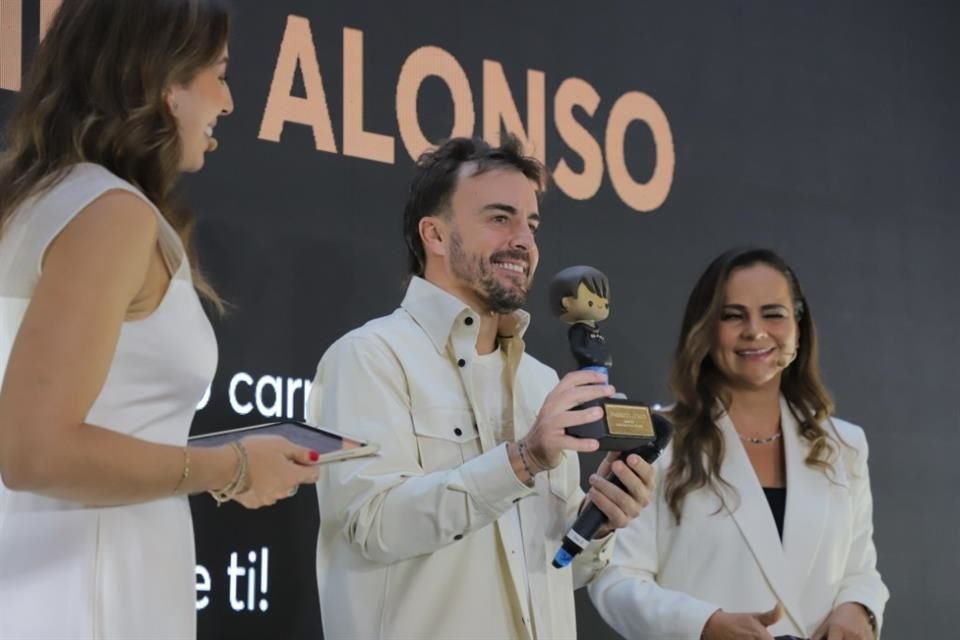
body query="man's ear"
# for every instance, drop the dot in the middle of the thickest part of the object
(433, 235)
(566, 302)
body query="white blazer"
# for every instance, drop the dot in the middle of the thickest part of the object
(666, 580)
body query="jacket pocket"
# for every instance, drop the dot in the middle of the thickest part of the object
(446, 438)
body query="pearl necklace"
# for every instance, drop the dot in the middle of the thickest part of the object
(766, 440)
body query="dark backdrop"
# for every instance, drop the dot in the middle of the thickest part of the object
(822, 129)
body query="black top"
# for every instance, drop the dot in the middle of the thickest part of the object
(777, 497)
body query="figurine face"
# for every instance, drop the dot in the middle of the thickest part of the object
(585, 306)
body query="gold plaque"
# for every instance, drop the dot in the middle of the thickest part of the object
(629, 420)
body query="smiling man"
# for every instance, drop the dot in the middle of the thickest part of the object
(450, 531)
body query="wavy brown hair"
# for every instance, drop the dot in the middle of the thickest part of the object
(697, 384)
(95, 93)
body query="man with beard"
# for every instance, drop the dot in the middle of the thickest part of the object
(450, 531)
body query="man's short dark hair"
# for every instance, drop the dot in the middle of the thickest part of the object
(436, 179)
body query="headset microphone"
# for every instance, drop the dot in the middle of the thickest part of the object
(786, 359)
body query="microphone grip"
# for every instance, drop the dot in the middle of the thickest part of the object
(583, 530)
(590, 521)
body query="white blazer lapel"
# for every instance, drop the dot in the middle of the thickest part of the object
(808, 504)
(751, 511)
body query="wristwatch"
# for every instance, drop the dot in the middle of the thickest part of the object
(871, 618)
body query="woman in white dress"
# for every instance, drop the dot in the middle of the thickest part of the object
(104, 347)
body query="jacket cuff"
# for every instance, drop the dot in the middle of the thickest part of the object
(489, 478)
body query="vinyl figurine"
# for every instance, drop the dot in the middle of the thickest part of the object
(580, 296)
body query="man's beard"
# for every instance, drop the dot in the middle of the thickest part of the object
(478, 272)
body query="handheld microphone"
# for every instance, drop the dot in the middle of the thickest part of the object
(592, 518)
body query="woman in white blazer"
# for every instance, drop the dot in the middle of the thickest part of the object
(762, 524)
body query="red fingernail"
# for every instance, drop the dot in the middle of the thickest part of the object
(314, 456)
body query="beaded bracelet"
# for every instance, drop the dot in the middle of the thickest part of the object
(522, 446)
(538, 463)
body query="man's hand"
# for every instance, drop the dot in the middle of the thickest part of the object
(547, 439)
(620, 505)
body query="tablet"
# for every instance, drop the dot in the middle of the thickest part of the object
(329, 444)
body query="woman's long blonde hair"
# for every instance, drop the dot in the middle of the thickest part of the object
(95, 93)
(697, 384)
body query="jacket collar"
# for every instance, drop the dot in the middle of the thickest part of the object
(440, 313)
(788, 564)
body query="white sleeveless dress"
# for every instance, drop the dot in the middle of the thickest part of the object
(68, 570)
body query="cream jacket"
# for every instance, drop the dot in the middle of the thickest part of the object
(435, 537)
